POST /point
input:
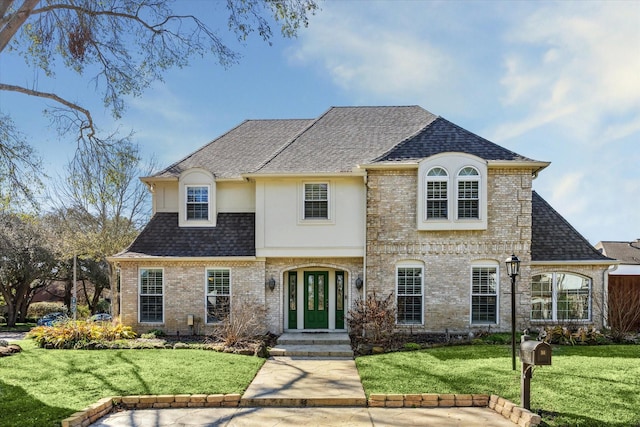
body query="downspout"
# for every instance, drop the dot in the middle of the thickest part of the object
(605, 293)
(364, 258)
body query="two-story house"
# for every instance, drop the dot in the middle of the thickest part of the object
(305, 217)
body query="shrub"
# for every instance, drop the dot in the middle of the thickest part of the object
(411, 346)
(245, 322)
(39, 309)
(572, 335)
(373, 320)
(70, 334)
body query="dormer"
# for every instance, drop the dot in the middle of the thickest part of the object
(197, 198)
(452, 192)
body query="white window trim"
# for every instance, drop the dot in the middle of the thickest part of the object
(428, 179)
(453, 163)
(554, 299)
(468, 178)
(330, 204)
(471, 294)
(140, 294)
(186, 202)
(206, 293)
(410, 264)
(197, 177)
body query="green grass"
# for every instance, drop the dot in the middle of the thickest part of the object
(20, 327)
(41, 387)
(585, 386)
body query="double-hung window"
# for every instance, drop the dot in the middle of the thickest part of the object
(316, 201)
(484, 295)
(151, 295)
(437, 197)
(409, 295)
(560, 296)
(198, 203)
(468, 193)
(218, 295)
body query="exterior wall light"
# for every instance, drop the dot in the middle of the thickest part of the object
(359, 283)
(513, 269)
(272, 284)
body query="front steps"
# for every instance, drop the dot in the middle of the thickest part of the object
(313, 344)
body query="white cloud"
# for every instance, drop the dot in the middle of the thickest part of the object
(580, 59)
(361, 56)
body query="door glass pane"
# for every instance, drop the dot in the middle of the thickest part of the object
(320, 293)
(311, 293)
(339, 292)
(292, 291)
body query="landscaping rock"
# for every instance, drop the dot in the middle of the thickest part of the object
(9, 350)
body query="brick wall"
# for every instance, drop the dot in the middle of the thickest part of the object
(184, 292)
(448, 256)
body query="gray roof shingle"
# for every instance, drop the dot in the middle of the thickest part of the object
(626, 252)
(233, 235)
(554, 239)
(345, 137)
(241, 150)
(442, 136)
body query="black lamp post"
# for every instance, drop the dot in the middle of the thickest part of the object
(513, 268)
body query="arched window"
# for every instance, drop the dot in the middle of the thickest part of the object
(560, 296)
(468, 193)
(437, 198)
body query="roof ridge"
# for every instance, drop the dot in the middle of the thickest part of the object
(292, 140)
(422, 129)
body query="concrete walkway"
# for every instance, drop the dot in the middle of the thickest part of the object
(290, 391)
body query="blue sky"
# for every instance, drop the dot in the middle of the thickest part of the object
(554, 81)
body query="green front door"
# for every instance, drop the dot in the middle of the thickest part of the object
(316, 296)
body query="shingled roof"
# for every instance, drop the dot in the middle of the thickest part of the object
(554, 239)
(627, 252)
(442, 136)
(241, 150)
(233, 236)
(345, 137)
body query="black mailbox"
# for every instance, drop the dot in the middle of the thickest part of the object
(535, 353)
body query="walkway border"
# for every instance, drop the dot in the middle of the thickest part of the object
(520, 416)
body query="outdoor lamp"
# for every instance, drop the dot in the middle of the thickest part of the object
(359, 283)
(513, 268)
(272, 283)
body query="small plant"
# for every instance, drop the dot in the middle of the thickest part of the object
(412, 346)
(153, 334)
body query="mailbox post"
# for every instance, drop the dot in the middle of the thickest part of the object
(532, 353)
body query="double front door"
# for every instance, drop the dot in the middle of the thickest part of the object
(316, 304)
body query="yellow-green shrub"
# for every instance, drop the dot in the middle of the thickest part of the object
(68, 334)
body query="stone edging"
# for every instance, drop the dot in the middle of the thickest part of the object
(104, 406)
(520, 416)
(507, 409)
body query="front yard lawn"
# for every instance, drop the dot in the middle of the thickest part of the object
(41, 387)
(585, 386)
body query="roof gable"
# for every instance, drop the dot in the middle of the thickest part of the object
(442, 136)
(554, 239)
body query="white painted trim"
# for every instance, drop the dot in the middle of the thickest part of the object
(164, 299)
(484, 264)
(411, 264)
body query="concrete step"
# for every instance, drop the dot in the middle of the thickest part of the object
(312, 350)
(305, 338)
(313, 344)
